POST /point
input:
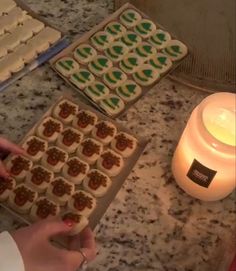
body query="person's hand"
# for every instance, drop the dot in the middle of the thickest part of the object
(39, 254)
(6, 147)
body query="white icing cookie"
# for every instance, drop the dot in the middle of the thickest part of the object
(6, 186)
(145, 28)
(49, 129)
(97, 91)
(18, 166)
(145, 51)
(85, 121)
(60, 190)
(67, 66)
(84, 53)
(44, 208)
(116, 51)
(114, 78)
(146, 75)
(90, 150)
(6, 6)
(115, 29)
(65, 111)
(39, 178)
(130, 18)
(35, 147)
(101, 40)
(54, 159)
(104, 131)
(160, 39)
(161, 62)
(75, 170)
(97, 183)
(124, 144)
(131, 40)
(175, 50)
(83, 203)
(100, 65)
(129, 91)
(130, 63)
(69, 139)
(82, 78)
(111, 163)
(22, 198)
(112, 104)
(79, 222)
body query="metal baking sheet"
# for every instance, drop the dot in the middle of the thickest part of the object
(86, 38)
(117, 182)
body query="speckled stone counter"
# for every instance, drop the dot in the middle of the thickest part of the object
(152, 224)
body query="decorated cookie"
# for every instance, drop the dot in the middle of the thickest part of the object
(85, 121)
(49, 129)
(97, 183)
(97, 91)
(79, 222)
(60, 190)
(111, 163)
(114, 78)
(83, 203)
(145, 28)
(115, 29)
(130, 18)
(129, 91)
(100, 65)
(39, 178)
(6, 186)
(130, 63)
(82, 78)
(65, 111)
(161, 62)
(104, 131)
(54, 159)
(18, 166)
(44, 208)
(160, 39)
(175, 50)
(145, 51)
(131, 40)
(67, 66)
(116, 51)
(146, 75)
(22, 198)
(124, 144)
(112, 104)
(90, 150)
(69, 139)
(75, 170)
(101, 40)
(35, 147)
(84, 53)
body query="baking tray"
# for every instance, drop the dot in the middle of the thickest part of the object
(85, 38)
(43, 57)
(117, 182)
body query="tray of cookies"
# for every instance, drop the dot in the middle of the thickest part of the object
(119, 60)
(76, 161)
(26, 41)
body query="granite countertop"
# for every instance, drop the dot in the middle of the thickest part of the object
(152, 224)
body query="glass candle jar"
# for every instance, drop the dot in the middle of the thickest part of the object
(204, 161)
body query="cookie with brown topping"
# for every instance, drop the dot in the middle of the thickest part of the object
(104, 131)
(65, 111)
(18, 166)
(69, 139)
(124, 144)
(35, 147)
(49, 129)
(85, 121)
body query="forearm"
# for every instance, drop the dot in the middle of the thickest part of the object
(10, 257)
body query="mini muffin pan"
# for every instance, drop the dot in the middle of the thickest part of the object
(119, 60)
(25, 41)
(66, 150)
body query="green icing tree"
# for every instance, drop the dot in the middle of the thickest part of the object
(103, 38)
(161, 36)
(115, 101)
(85, 75)
(131, 15)
(117, 75)
(162, 60)
(87, 50)
(147, 49)
(132, 37)
(148, 73)
(146, 26)
(131, 88)
(118, 50)
(133, 61)
(100, 88)
(117, 27)
(103, 62)
(176, 49)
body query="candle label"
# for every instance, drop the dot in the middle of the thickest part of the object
(201, 174)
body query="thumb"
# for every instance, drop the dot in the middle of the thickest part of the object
(52, 227)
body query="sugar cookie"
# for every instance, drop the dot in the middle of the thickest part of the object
(65, 111)
(49, 129)
(175, 50)
(115, 29)
(160, 39)
(69, 139)
(84, 53)
(146, 75)
(131, 40)
(112, 104)
(114, 78)
(104, 131)
(130, 18)
(161, 62)
(130, 63)
(97, 91)
(85, 121)
(35, 147)
(100, 65)
(82, 78)
(67, 66)
(6, 186)
(124, 144)
(101, 40)
(129, 91)
(116, 51)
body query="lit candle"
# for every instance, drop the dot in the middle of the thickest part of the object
(204, 161)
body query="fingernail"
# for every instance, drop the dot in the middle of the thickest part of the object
(69, 222)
